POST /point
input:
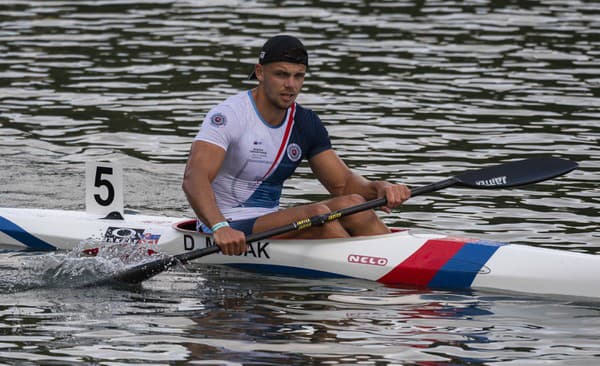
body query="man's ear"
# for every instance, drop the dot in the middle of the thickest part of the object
(258, 70)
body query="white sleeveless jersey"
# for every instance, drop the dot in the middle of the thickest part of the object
(259, 157)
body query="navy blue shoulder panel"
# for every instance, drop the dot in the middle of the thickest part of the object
(308, 138)
(309, 132)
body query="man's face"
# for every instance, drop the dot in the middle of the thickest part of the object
(281, 82)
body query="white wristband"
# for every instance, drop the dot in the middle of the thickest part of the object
(219, 225)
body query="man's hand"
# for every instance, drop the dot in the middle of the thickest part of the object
(231, 241)
(395, 194)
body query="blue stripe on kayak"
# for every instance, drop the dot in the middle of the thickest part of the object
(285, 270)
(460, 271)
(18, 233)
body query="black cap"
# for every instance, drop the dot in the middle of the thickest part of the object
(282, 48)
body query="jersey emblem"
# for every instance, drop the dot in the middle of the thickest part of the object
(218, 119)
(294, 152)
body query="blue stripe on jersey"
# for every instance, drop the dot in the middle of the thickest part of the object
(266, 195)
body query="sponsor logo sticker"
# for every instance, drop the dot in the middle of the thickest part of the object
(130, 236)
(151, 239)
(366, 259)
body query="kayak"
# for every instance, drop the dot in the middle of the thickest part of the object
(401, 258)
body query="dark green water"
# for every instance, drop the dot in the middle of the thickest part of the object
(410, 92)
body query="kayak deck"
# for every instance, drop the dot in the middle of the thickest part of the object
(400, 258)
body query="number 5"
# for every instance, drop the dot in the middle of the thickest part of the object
(99, 182)
(103, 188)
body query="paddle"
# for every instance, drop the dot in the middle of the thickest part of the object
(511, 174)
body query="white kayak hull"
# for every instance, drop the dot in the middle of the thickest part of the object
(399, 259)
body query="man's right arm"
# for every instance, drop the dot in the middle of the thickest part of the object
(202, 167)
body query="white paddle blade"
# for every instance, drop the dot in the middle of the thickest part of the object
(103, 188)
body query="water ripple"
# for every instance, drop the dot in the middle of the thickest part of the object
(412, 92)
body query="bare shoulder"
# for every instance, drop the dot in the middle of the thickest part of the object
(205, 148)
(205, 156)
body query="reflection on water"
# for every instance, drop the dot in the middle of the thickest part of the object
(410, 91)
(216, 314)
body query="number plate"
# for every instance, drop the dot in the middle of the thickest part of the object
(103, 188)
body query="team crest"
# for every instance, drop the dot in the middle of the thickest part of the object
(218, 119)
(294, 152)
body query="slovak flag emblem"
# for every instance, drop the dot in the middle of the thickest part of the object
(218, 119)
(294, 152)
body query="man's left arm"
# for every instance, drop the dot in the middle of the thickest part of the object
(340, 180)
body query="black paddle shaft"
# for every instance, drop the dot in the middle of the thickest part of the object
(511, 174)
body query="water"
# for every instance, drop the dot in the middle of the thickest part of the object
(410, 91)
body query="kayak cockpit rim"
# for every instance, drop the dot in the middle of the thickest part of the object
(190, 225)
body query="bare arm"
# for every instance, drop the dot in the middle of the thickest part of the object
(339, 180)
(202, 167)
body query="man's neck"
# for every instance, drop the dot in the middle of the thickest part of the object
(270, 113)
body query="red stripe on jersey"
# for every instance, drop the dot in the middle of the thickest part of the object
(284, 140)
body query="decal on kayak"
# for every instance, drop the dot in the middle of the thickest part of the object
(256, 249)
(18, 233)
(365, 259)
(126, 235)
(444, 263)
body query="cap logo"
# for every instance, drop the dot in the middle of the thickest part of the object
(218, 119)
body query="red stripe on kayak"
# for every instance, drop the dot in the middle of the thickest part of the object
(420, 268)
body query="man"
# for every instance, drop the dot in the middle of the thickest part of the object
(252, 142)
